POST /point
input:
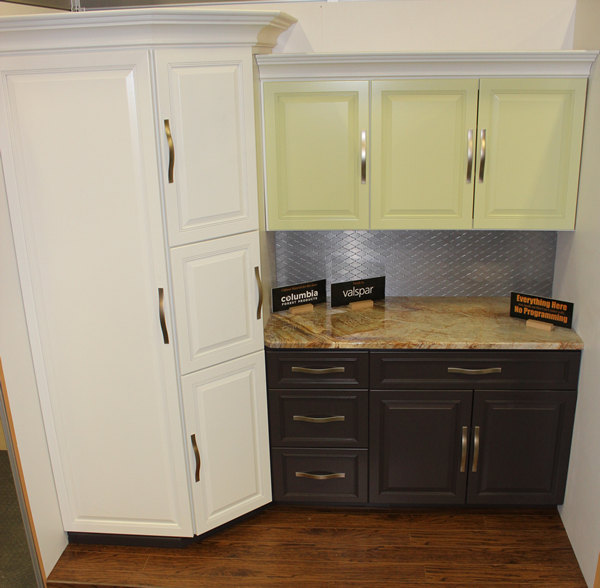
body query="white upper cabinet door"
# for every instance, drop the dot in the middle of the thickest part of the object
(78, 146)
(218, 303)
(228, 440)
(209, 160)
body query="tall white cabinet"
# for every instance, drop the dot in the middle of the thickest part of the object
(131, 175)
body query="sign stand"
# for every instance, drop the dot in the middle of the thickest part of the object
(302, 309)
(361, 304)
(539, 325)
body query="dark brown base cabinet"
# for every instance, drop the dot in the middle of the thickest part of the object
(421, 427)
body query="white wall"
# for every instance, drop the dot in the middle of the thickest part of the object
(577, 279)
(426, 25)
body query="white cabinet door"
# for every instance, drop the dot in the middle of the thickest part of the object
(79, 155)
(228, 440)
(206, 95)
(218, 306)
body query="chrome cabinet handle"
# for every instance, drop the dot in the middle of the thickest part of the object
(468, 372)
(330, 419)
(171, 150)
(260, 293)
(363, 157)
(475, 450)
(463, 457)
(469, 156)
(320, 476)
(161, 315)
(482, 156)
(332, 370)
(197, 454)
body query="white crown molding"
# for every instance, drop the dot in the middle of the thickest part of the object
(568, 64)
(142, 27)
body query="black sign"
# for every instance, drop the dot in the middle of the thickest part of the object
(547, 310)
(347, 292)
(288, 296)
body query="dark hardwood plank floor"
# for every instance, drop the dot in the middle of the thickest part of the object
(298, 547)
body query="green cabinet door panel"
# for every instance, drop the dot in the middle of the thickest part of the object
(313, 155)
(533, 131)
(419, 153)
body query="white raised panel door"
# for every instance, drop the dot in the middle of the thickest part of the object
(226, 412)
(207, 97)
(217, 300)
(79, 155)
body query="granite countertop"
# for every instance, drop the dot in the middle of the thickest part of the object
(415, 323)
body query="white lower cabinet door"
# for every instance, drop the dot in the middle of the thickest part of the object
(80, 164)
(228, 440)
(218, 301)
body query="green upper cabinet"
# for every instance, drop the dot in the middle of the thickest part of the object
(422, 146)
(315, 175)
(529, 146)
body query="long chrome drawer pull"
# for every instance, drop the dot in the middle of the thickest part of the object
(319, 476)
(161, 314)
(197, 454)
(333, 370)
(482, 156)
(469, 156)
(363, 157)
(468, 372)
(463, 457)
(171, 150)
(475, 450)
(260, 293)
(331, 419)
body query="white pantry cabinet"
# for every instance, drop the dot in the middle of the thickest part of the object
(83, 151)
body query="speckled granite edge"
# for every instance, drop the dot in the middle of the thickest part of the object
(415, 323)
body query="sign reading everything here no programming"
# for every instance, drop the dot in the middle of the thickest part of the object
(547, 310)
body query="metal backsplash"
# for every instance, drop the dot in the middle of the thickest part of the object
(422, 263)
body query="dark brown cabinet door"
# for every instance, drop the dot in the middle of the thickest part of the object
(524, 439)
(418, 452)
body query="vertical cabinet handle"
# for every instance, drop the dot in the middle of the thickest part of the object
(482, 156)
(197, 454)
(363, 157)
(260, 293)
(171, 150)
(469, 156)
(463, 457)
(475, 450)
(161, 315)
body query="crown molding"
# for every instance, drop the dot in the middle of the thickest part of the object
(568, 64)
(142, 27)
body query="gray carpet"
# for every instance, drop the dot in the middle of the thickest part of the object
(16, 569)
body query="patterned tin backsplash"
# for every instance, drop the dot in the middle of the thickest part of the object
(422, 263)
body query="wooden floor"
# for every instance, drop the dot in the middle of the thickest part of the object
(342, 548)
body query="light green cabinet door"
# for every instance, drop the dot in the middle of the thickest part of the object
(313, 155)
(528, 169)
(421, 177)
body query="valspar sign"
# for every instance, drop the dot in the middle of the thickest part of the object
(347, 292)
(288, 296)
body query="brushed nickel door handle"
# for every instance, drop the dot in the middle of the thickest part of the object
(171, 150)
(482, 156)
(363, 157)
(161, 315)
(331, 476)
(469, 372)
(329, 419)
(332, 370)
(475, 450)
(260, 293)
(198, 460)
(463, 457)
(469, 156)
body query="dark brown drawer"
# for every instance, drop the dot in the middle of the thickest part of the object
(320, 475)
(320, 369)
(491, 370)
(319, 418)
